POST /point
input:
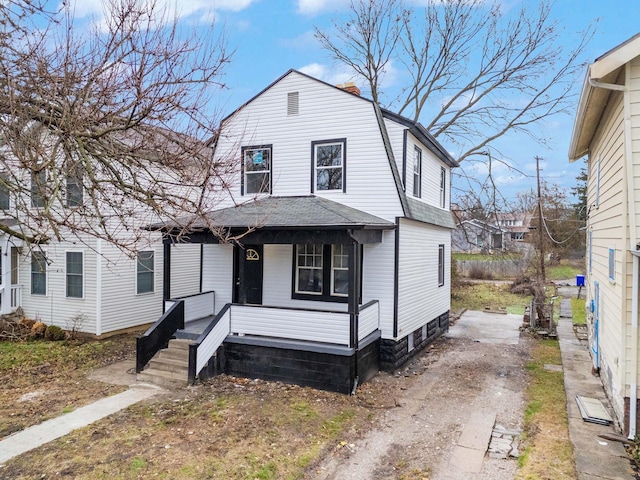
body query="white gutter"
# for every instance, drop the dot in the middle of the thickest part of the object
(633, 236)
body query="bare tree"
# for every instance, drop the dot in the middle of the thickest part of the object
(475, 69)
(103, 129)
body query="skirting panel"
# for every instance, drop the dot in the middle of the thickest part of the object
(324, 371)
(395, 353)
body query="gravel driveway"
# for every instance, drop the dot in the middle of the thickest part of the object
(468, 386)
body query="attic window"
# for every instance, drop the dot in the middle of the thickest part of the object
(293, 103)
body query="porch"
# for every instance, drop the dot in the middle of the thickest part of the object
(289, 292)
(322, 348)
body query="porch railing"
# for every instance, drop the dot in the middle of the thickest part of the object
(16, 296)
(208, 342)
(369, 319)
(198, 306)
(276, 322)
(159, 334)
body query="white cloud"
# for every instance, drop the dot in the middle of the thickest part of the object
(183, 8)
(328, 74)
(315, 7)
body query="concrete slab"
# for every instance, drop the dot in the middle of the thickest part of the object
(465, 460)
(595, 457)
(487, 327)
(45, 432)
(477, 432)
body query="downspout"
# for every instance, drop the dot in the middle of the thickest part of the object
(633, 244)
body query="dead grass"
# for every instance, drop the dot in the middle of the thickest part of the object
(226, 429)
(548, 451)
(41, 379)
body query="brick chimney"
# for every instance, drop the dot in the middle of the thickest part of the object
(351, 88)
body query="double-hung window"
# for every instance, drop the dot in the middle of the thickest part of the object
(612, 264)
(441, 265)
(256, 169)
(5, 199)
(145, 271)
(417, 172)
(75, 274)
(443, 187)
(38, 183)
(339, 270)
(329, 165)
(75, 190)
(309, 260)
(38, 273)
(321, 272)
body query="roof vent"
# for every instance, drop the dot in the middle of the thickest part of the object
(293, 103)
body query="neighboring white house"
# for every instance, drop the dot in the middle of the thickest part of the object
(81, 282)
(607, 131)
(346, 266)
(89, 285)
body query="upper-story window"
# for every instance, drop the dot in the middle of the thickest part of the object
(38, 182)
(417, 172)
(5, 198)
(75, 190)
(256, 168)
(329, 165)
(443, 187)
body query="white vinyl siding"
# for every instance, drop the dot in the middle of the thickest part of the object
(217, 273)
(420, 297)
(185, 269)
(325, 113)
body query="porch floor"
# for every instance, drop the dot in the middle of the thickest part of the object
(192, 330)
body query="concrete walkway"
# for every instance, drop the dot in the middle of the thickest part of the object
(595, 457)
(38, 435)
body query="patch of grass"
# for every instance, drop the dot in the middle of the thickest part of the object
(563, 271)
(548, 451)
(68, 409)
(477, 296)
(137, 464)
(578, 311)
(484, 257)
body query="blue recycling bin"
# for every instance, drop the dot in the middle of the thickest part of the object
(579, 280)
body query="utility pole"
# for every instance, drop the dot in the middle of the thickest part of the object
(543, 274)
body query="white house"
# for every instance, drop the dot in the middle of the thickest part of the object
(607, 132)
(342, 218)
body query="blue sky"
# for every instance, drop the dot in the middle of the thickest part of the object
(272, 36)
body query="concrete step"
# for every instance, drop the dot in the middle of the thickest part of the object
(162, 378)
(170, 365)
(180, 344)
(173, 354)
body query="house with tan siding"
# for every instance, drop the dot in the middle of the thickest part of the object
(607, 133)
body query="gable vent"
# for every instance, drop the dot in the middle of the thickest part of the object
(293, 103)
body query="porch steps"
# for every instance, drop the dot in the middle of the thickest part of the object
(170, 366)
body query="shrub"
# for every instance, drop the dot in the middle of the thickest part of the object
(38, 329)
(54, 333)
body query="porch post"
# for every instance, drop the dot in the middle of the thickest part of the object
(354, 292)
(166, 273)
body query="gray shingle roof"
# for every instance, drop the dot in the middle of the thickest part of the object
(429, 214)
(290, 213)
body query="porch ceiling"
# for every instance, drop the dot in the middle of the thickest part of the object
(283, 214)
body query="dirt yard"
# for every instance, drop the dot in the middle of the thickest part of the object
(402, 426)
